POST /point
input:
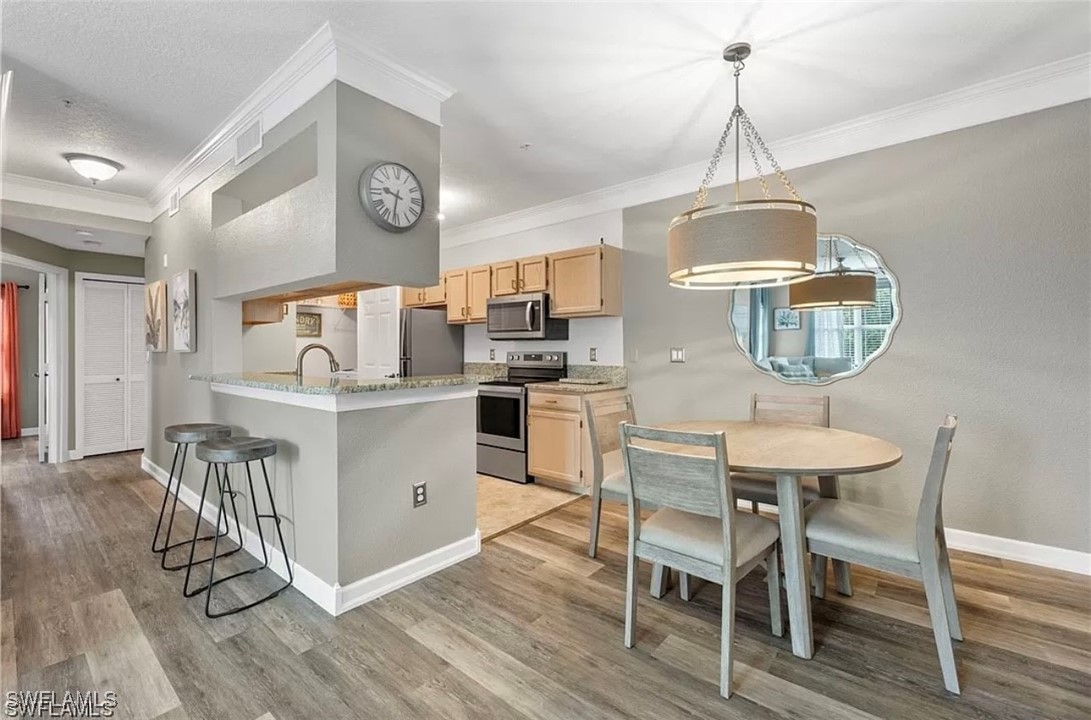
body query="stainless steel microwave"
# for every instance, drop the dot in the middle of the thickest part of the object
(523, 317)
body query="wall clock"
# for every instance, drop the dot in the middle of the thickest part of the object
(392, 196)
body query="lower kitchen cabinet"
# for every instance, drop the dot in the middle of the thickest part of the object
(558, 446)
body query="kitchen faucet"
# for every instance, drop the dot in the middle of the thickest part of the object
(334, 365)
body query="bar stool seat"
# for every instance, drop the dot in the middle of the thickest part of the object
(195, 432)
(183, 435)
(220, 452)
(235, 449)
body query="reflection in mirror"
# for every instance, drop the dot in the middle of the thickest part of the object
(817, 346)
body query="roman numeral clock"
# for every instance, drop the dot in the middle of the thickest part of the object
(391, 195)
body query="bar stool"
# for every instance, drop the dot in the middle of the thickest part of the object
(221, 452)
(183, 436)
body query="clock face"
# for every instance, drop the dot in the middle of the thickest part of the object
(392, 196)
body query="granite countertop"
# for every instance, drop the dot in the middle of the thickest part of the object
(561, 386)
(286, 382)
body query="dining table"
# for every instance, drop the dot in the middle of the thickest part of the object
(791, 452)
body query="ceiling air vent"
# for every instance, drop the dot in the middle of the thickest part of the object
(174, 200)
(248, 141)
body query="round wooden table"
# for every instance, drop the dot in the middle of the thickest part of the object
(790, 452)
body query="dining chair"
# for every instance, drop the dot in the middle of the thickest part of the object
(607, 471)
(798, 409)
(913, 547)
(696, 529)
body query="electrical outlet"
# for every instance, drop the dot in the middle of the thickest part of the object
(594, 355)
(678, 355)
(634, 356)
(492, 353)
(420, 494)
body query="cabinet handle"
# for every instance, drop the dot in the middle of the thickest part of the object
(513, 285)
(551, 402)
(522, 283)
(420, 296)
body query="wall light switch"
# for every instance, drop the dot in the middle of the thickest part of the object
(492, 353)
(164, 259)
(594, 354)
(634, 355)
(678, 355)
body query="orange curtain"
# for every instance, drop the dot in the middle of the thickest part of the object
(9, 359)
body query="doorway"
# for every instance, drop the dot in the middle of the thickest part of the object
(51, 371)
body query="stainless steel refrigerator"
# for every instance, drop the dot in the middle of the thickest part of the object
(429, 346)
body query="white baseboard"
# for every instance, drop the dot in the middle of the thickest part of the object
(334, 599)
(1030, 553)
(379, 584)
(29, 432)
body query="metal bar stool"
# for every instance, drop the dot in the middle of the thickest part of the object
(183, 436)
(221, 452)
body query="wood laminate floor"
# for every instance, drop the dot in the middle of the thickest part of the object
(531, 628)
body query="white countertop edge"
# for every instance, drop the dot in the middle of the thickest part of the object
(347, 402)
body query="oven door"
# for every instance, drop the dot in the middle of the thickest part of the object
(519, 317)
(502, 417)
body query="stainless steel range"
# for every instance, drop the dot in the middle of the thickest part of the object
(502, 413)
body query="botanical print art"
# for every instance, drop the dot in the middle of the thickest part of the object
(183, 325)
(155, 314)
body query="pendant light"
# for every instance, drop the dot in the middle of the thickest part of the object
(839, 287)
(746, 243)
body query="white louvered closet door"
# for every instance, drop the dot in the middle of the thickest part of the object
(105, 375)
(138, 367)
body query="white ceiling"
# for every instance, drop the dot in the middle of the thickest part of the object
(605, 93)
(64, 235)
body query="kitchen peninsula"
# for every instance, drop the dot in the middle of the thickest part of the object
(349, 454)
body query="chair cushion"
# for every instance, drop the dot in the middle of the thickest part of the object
(236, 449)
(755, 487)
(613, 473)
(195, 432)
(863, 528)
(701, 537)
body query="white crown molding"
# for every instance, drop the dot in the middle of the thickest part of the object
(33, 191)
(1022, 92)
(330, 54)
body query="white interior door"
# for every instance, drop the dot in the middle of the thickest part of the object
(137, 419)
(44, 420)
(378, 333)
(103, 376)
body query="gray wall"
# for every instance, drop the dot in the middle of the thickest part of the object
(28, 341)
(76, 261)
(987, 229)
(381, 454)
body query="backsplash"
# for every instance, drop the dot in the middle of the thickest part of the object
(611, 374)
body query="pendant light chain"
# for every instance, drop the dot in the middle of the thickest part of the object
(745, 127)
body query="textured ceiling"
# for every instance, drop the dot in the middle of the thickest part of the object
(603, 92)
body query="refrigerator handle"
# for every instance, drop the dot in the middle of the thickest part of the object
(403, 338)
(406, 368)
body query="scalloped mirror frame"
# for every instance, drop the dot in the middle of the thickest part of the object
(895, 321)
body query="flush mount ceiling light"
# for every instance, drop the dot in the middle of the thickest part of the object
(839, 287)
(92, 167)
(746, 243)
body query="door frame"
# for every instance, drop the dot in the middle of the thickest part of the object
(77, 452)
(57, 355)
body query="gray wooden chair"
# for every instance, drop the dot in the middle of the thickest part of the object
(799, 409)
(608, 473)
(900, 544)
(696, 529)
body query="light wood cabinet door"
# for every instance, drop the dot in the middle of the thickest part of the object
(478, 292)
(575, 284)
(554, 445)
(436, 295)
(456, 296)
(259, 312)
(532, 274)
(412, 297)
(505, 278)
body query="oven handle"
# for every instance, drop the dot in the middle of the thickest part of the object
(530, 316)
(500, 391)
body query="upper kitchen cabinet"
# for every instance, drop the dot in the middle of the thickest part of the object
(432, 296)
(468, 293)
(519, 276)
(585, 282)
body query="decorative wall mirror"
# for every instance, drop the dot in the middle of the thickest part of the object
(817, 347)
